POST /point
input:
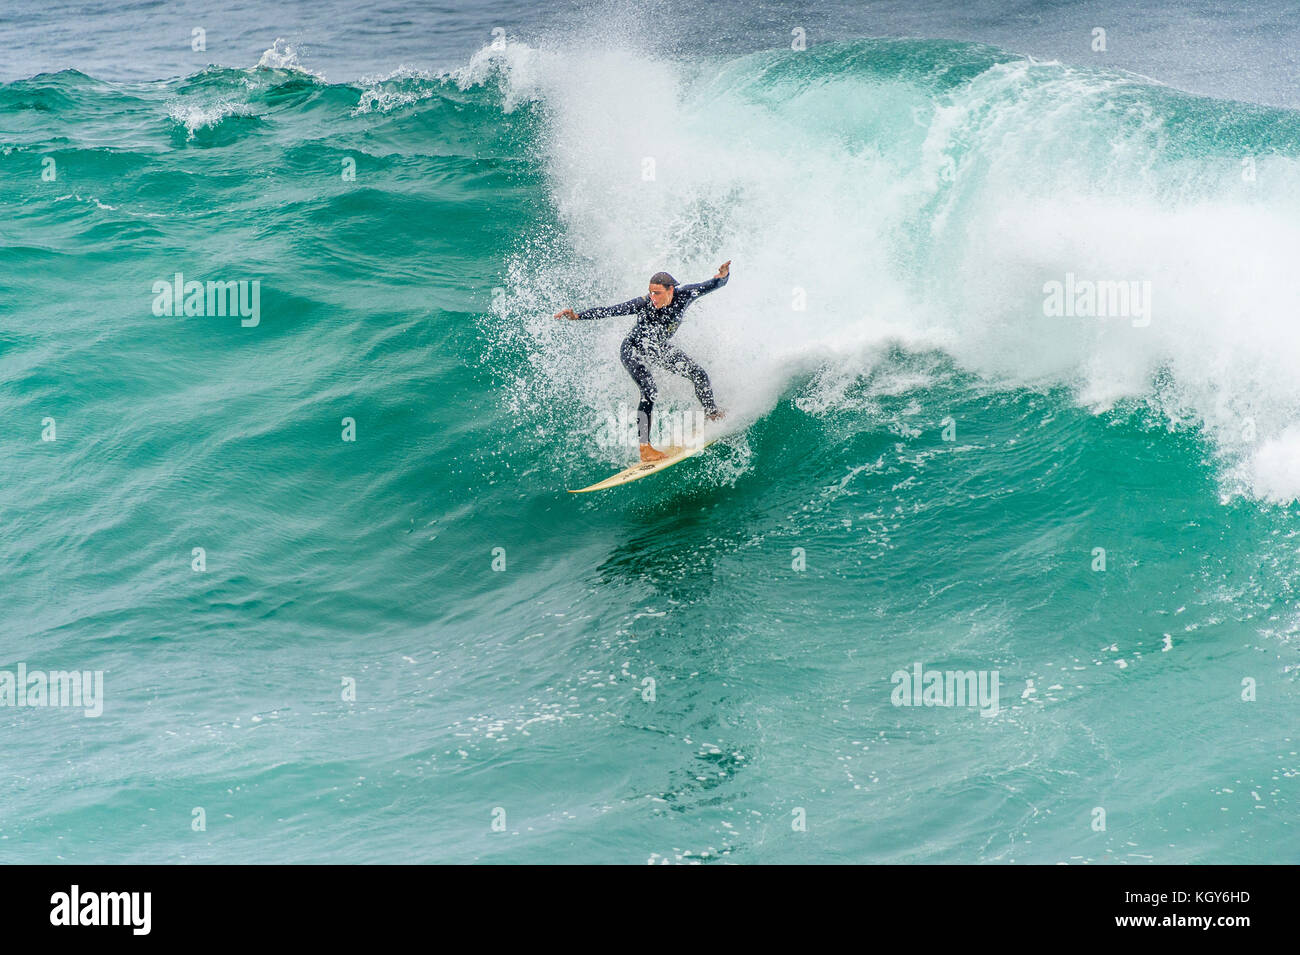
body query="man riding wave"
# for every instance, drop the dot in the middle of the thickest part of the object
(658, 316)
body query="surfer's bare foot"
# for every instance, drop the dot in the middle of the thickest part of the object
(716, 415)
(650, 454)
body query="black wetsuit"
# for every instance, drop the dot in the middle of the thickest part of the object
(648, 343)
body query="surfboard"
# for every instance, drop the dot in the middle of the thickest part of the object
(645, 468)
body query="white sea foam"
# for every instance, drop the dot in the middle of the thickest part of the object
(196, 116)
(913, 218)
(283, 55)
(390, 91)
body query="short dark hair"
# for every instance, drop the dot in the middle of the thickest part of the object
(664, 279)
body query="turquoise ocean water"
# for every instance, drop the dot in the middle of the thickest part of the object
(406, 642)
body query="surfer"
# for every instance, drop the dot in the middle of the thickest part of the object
(657, 317)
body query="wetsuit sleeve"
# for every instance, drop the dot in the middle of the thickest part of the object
(604, 311)
(702, 288)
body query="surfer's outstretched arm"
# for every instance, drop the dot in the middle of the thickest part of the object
(603, 311)
(711, 285)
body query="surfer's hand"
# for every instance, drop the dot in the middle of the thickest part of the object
(723, 269)
(567, 313)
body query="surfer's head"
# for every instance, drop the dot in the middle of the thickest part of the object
(661, 289)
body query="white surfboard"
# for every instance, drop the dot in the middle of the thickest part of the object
(645, 468)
